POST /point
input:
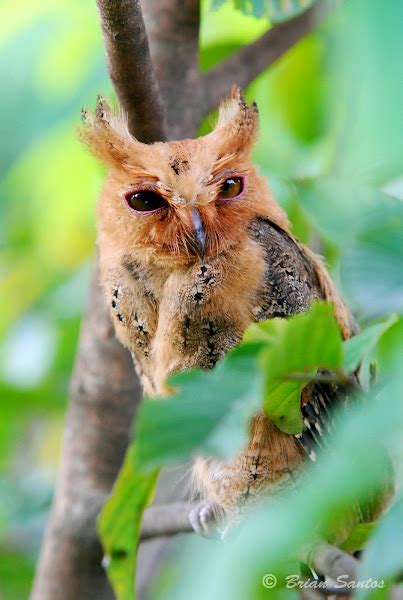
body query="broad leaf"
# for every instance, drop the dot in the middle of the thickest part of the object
(282, 404)
(367, 227)
(170, 429)
(295, 348)
(281, 529)
(358, 537)
(120, 520)
(305, 343)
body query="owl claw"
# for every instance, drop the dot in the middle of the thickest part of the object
(203, 518)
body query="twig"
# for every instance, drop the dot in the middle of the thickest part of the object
(166, 519)
(331, 590)
(331, 561)
(171, 519)
(336, 377)
(310, 593)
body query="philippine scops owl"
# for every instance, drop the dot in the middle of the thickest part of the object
(193, 248)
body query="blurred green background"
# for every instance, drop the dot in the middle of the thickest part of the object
(331, 145)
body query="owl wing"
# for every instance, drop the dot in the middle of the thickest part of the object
(290, 283)
(318, 411)
(295, 277)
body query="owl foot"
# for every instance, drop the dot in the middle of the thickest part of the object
(203, 518)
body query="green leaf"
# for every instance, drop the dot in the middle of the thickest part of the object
(358, 537)
(120, 520)
(364, 342)
(170, 429)
(383, 557)
(265, 332)
(304, 343)
(354, 465)
(295, 347)
(282, 404)
(275, 10)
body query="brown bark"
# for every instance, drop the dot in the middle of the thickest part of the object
(173, 30)
(166, 519)
(104, 393)
(104, 390)
(172, 519)
(331, 561)
(130, 68)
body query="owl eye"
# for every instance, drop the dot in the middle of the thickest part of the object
(145, 201)
(231, 188)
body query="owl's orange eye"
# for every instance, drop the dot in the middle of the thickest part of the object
(145, 201)
(231, 188)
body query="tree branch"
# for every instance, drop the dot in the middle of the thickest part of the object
(331, 561)
(161, 521)
(338, 377)
(130, 68)
(104, 394)
(248, 62)
(166, 519)
(171, 519)
(173, 31)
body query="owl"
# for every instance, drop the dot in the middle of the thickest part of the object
(193, 249)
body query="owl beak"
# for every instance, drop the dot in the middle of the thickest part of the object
(198, 242)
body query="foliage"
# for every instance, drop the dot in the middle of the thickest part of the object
(275, 10)
(120, 525)
(331, 146)
(207, 413)
(287, 354)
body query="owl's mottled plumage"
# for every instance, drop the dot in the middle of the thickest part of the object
(176, 305)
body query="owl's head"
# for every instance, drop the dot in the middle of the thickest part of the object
(183, 200)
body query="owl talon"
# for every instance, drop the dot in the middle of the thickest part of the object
(203, 518)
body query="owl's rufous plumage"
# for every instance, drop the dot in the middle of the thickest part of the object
(184, 282)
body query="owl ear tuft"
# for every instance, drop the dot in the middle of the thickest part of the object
(238, 123)
(106, 134)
